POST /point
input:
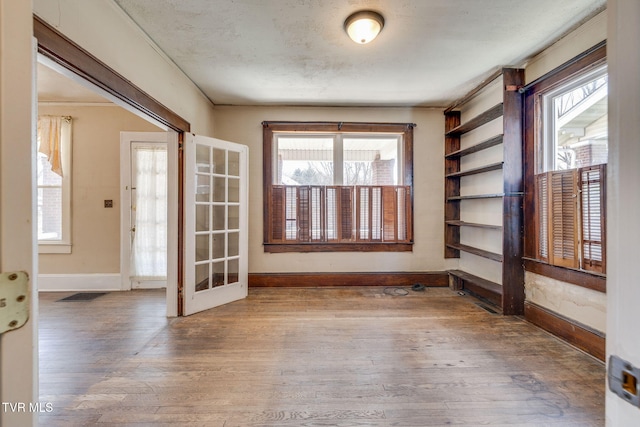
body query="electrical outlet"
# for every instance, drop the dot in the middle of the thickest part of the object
(108, 203)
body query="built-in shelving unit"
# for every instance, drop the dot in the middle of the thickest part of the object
(510, 295)
(473, 224)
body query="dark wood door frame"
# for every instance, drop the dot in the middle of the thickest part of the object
(63, 51)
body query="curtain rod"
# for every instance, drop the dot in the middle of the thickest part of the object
(65, 118)
(339, 124)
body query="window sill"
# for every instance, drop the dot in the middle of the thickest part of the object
(586, 279)
(54, 248)
(337, 247)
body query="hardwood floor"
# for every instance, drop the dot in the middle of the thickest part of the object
(309, 357)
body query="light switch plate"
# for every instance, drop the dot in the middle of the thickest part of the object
(623, 380)
(14, 300)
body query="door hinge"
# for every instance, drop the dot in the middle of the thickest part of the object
(14, 300)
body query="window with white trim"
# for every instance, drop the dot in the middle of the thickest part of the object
(54, 184)
(571, 170)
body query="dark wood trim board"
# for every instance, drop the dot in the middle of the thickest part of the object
(576, 334)
(431, 279)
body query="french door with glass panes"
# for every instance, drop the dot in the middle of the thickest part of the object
(215, 224)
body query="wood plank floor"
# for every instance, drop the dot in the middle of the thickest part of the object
(309, 357)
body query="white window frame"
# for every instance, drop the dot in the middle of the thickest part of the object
(548, 149)
(338, 153)
(63, 245)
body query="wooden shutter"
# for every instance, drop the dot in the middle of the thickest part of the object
(389, 209)
(363, 209)
(317, 212)
(304, 214)
(277, 213)
(592, 189)
(403, 206)
(332, 209)
(376, 214)
(291, 213)
(563, 217)
(346, 213)
(542, 217)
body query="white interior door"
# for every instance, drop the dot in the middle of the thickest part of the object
(168, 139)
(148, 215)
(216, 223)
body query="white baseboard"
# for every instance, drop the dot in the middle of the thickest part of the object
(79, 282)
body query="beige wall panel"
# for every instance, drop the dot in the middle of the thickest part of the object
(487, 211)
(482, 238)
(485, 99)
(482, 267)
(95, 230)
(484, 132)
(583, 305)
(243, 125)
(485, 183)
(485, 157)
(586, 36)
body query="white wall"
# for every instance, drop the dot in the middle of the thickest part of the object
(101, 28)
(623, 197)
(586, 36)
(18, 348)
(243, 125)
(583, 305)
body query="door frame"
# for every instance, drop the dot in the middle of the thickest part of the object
(73, 61)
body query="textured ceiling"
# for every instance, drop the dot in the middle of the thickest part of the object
(295, 52)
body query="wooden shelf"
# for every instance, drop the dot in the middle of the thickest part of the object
(457, 223)
(476, 251)
(492, 142)
(487, 168)
(475, 196)
(510, 297)
(476, 122)
(487, 289)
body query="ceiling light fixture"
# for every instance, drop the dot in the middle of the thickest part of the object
(364, 26)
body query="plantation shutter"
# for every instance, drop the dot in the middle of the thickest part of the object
(542, 207)
(403, 208)
(563, 216)
(304, 212)
(376, 214)
(291, 213)
(332, 214)
(363, 198)
(277, 213)
(389, 230)
(323, 214)
(316, 200)
(592, 188)
(346, 213)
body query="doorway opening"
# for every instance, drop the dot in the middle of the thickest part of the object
(95, 259)
(144, 207)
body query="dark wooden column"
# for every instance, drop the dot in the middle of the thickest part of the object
(513, 232)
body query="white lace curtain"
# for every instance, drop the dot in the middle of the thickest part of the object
(149, 251)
